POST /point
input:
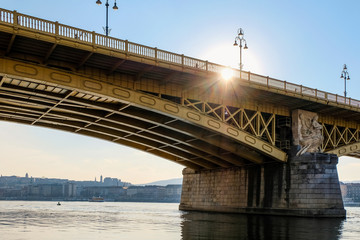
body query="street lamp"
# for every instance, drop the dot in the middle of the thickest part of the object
(239, 40)
(345, 76)
(98, 2)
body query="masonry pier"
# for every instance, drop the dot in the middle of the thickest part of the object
(306, 185)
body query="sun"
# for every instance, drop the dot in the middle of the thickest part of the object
(227, 74)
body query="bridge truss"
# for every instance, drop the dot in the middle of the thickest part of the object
(173, 106)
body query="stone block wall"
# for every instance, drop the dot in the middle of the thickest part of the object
(314, 184)
(307, 185)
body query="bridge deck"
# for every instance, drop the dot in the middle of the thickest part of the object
(167, 75)
(55, 41)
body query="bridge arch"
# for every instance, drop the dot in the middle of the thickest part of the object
(351, 150)
(95, 63)
(37, 95)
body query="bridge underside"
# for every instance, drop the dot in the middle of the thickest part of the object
(36, 103)
(177, 84)
(63, 83)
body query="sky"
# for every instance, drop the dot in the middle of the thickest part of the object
(304, 42)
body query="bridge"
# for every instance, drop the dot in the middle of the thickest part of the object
(176, 107)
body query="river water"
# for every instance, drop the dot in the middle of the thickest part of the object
(25, 220)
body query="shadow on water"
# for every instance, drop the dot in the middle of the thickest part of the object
(197, 225)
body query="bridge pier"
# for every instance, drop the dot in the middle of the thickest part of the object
(306, 185)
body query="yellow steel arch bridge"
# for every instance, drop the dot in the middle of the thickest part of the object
(174, 106)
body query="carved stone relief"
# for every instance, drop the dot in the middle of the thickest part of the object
(307, 131)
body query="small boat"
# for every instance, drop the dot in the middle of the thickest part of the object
(96, 199)
(59, 204)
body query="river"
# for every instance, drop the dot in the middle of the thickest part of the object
(27, 220)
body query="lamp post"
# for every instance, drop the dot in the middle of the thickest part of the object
(98, 2)
(345, 76)
(239, 40)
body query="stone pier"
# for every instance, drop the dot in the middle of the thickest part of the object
(306, 185)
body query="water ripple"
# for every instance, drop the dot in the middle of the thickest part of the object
(153, 221)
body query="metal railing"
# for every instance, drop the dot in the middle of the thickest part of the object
(20, 20)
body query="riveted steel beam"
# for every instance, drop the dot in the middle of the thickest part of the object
(11, 43)
(116, 65)
(84, 59)
(346, 150)
(49, 52)
(128, 134)
(154, 104)
(70, 128)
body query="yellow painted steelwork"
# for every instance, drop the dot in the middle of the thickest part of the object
(27, 74)
(58, 34)
(212, 123)
(347, 150)
(341, 140)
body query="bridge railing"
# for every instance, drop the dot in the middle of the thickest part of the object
(110, 42)
(169, 57)
(6, 16)
(74, 33)
(34, 23)
(140, 50)
(25, 21)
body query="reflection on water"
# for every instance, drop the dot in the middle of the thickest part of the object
(83, 220)
(197, 225)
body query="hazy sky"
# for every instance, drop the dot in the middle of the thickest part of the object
(305, 42)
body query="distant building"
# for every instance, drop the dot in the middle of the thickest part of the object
(343, 189)
(110, 192)
(69, 190)
(112, 189)
(353, 191)
(14, 182)
(173, 190)
(111, 181)
(146, 193)
(46, 190)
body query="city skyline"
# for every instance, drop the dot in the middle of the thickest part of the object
(295, 42)
(99, 179)
(27, 175)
